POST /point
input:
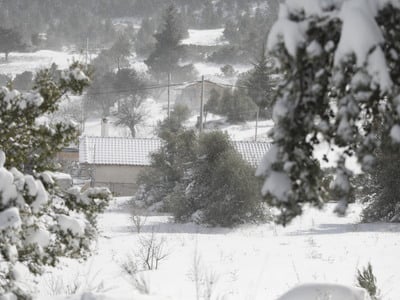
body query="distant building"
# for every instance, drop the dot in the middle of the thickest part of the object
(118, 162)
(190, 94)
(68, 155)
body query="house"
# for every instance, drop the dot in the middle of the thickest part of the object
(117, 162)
(68, 155)
(190, 94)
(252, 152)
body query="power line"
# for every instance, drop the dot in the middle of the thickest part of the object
(154, 87)
(151, 87)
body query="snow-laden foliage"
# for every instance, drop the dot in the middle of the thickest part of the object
(342, 82)
(37, 226)
(29, 143)
(201, 178)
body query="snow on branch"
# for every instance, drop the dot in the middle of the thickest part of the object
(341, 87)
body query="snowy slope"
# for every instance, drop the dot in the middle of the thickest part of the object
(34, 61)
(251, 262)
(207, 37)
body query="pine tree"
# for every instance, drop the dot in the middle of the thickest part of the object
(384, 189)
(261, 85)
(168, 49)
(38, 221)
(28, 144)
(121, 50)
(145, 41)
(10, 40)
(331, 93)
(130, 111)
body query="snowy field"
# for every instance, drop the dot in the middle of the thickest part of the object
(247, 263)
(155, 110)
(34, 61)
(250, 262)
(208, 37)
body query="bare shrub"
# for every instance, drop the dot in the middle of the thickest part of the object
(58, 285)
(152, 251)
(138, 220)
(205, 281)
(142, 284)
(82, 281)
(130, 265)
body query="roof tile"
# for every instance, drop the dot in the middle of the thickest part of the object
(137, 152)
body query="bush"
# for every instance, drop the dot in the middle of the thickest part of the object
(228, 71)
(227, 55)
(213, 102)
(384, 189)
(228, 188)
(204, 180)
(38, 224)
(367, 280)
(237, 106)
(234, 198)
(23, 81)
(169, 163)
(184, 73)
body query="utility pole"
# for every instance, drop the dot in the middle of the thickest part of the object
(201, 105)
(87, 51)
(83, 115)
(258, 112)
(169, 83)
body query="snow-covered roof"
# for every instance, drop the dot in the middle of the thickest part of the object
(252, 152)
(117, 150)
(137, 151)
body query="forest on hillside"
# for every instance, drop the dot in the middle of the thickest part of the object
(73, 22)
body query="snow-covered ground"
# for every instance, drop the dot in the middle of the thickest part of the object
(154, 111)
(207, 37)
(250, 262)
(207, 68)
(34, 61)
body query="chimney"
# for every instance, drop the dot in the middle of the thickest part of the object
(104, 127)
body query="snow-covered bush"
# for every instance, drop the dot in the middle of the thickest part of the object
(383, 185)
(37, 227)
(342, 83)
(203, 180)
(90, 202)
(219, 188)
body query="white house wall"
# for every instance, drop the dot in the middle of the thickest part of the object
(122, 180)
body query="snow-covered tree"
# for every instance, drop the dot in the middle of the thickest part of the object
(10, 40)
(38, 221)
(30, 145)
(145, 41)
(342, 83)
(132, 94)
(168, 49)
(260, 83)
(201, 178)
(37, 227)
(121, 50)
